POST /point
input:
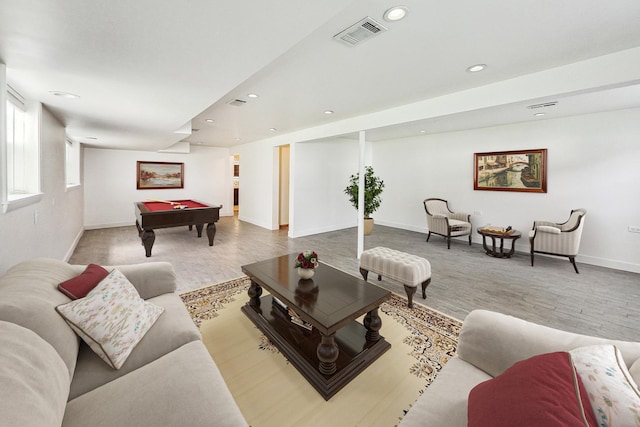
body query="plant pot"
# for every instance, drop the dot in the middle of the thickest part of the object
(306, 273)
(368, 226)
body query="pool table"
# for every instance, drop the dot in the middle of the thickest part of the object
(151, 215)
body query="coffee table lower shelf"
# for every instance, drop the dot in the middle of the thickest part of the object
(299, 346)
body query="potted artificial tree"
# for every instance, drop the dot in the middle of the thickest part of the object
(372, 189)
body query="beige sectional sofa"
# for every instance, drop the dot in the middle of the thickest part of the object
(490, 343)
(49, 377)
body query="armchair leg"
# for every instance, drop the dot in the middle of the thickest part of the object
(428, 235)
(573, 261)
(448, 242)
(469, 239)
(531, 258)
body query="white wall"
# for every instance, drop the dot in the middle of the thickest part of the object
(59, 212)
(259, 184)
(592, 164)
(321, 171)
(110, 182)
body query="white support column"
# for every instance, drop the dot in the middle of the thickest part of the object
(361, 194)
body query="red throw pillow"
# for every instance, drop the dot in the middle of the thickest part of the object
(543, 390)
(81, 285)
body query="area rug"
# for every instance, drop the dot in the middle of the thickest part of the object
(271, 392)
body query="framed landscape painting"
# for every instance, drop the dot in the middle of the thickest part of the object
(154, 175)
(523, 170)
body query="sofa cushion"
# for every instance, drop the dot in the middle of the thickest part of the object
(544, 390)
(183, 388)
(150, 278)
(34, 380)
(28, 297)
(79, 286)
(446, 397)
(614, 395)
(172, 330)
(112, 318)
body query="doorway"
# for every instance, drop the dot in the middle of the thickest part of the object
(283, 202)
(236, 184)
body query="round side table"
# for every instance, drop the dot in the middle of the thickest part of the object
(499, 252)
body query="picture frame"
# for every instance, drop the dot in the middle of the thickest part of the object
(159, 175)
(520, 170)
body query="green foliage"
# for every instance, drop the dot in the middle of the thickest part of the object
(372, 189)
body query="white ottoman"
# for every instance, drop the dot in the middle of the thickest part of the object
(410, 270)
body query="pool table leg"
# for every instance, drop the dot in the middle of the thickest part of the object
(211, 232)
(148, 237)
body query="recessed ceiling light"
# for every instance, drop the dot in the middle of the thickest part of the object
(90, 137)
(477, 67)
(208, 120)
(396, 13)
(539, 114)
(64, 94)
(423, 131)
(328, 111)
(252, 95)
(273, 129)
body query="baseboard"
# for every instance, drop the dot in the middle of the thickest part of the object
(74, 245)
(609, 263)
(109, 225)
(256, 222)
(327, 229)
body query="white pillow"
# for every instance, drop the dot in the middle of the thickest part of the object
(613, 393)
(112, 318)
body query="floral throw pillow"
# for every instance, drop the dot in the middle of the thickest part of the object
(613, 393)
(112, 318)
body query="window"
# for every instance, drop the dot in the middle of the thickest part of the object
(72, 163)
(16, 147)
(22, 148)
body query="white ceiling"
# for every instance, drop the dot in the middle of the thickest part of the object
(146, 69)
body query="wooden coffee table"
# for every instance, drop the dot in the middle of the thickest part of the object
(338, 347)
(494, 251)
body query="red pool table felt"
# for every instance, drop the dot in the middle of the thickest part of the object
(161, 206)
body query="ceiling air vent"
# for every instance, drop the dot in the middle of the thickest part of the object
(360, 31)
(543, 105)
(237, 102)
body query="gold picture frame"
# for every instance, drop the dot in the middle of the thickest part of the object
(157, 175)
(521, 170)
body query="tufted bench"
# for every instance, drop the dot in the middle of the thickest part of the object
(400, 266)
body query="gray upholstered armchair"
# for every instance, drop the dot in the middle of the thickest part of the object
(441, 220)
(561, 239)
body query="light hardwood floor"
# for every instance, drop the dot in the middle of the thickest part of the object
(598, 301)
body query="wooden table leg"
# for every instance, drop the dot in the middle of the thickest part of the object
(373, 323)
(513, 248)
(327, 355)
(484, 244)
(211, 232)
(148, 237)
(255, 291)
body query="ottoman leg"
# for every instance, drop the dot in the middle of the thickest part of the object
(424, 287)
(410, 291)
(364, 273)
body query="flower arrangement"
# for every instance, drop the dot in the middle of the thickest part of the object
(307, 259)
